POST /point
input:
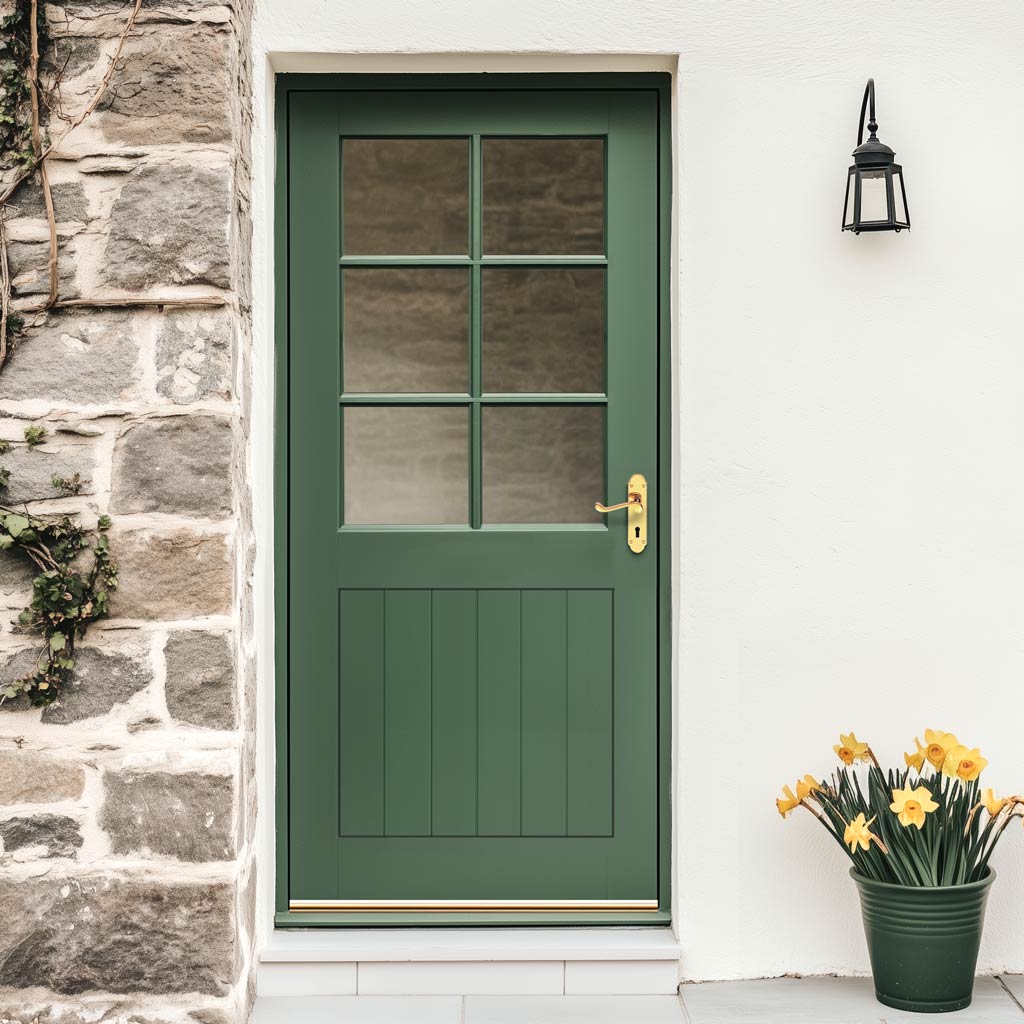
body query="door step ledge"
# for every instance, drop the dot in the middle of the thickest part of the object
(470, 961)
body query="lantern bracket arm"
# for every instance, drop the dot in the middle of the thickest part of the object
(869, 95)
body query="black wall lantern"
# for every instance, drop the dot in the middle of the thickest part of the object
(875, 197)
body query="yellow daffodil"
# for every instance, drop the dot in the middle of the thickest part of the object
(912, 805)
(962, 763)
(806, 786)
(850, 749)
(937, 745)
(857, 833)
(993, 804)
(787, 801)
(915, 760)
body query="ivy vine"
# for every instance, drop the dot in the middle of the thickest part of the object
(16, 148)
(69, 592)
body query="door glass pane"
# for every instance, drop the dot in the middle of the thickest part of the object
(406, 465)
(542, 464)
(406, 330)
(543, 196)
(406, 197)
(543, 329)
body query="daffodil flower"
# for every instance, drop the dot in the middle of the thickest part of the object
(993, 804)
(806, 786)
(937, 745)
(911, 805)
(850, 749)
(857, 833)
(916, 760)
(787, 802)
(962, 763)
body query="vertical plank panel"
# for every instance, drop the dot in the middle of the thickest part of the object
(544, 712)
(361, 701)
(589, 631)
(407, 712)
(454, 738)
(499, 806)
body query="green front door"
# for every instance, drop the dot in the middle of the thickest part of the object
(472, 363)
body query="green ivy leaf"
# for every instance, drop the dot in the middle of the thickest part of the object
(16, 525)
(57, 642)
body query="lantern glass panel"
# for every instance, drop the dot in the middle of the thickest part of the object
(897, 195)
(874, 203)
(850, 191)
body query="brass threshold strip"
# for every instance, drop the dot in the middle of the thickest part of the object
(472, 906)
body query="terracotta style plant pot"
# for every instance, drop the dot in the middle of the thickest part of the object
(923, 942)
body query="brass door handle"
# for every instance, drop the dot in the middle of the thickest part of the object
(636, 517)
(634, 499)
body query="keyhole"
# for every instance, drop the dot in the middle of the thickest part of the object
(636, 532)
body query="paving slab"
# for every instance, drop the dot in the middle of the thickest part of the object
(829, 1001)
(358, 1010)
(573, 1010)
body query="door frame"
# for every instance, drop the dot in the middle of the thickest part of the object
(661, 84)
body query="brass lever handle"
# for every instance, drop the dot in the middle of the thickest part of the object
(634, 500)
(636, 515)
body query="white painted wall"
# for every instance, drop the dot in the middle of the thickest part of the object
(850, 418)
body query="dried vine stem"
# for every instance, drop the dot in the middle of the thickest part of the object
(5, 285)
(37, 149)
(128, 301)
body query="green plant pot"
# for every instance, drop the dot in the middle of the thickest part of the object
(923, 942)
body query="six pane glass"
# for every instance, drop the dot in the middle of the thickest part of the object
(543, 329)
(405, 329)
(406, 465)
(543, 197)
(407, 197)
(542, 463)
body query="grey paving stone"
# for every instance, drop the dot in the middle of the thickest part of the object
(831, 1000)
(358, 1010)
(573, 1010)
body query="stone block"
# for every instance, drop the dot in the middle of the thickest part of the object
(176, 464)
(174, 575)
(33, 471)
(193, 356)
(73, 54)
(16, 575)
(170, 226)
(56, 835)
(29, 777)
(175, 86)
(102, 679)
(30, 269)
(85, 358)
(75, 935)
(200, 686)
(186, 816)
(69, 202)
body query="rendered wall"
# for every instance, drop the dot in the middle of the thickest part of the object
(849, 486)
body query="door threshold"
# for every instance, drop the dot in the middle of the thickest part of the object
(348, 945)
(471, 906)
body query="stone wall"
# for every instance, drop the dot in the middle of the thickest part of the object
(127, 809)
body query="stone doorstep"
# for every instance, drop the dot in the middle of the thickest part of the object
(822, 1000)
